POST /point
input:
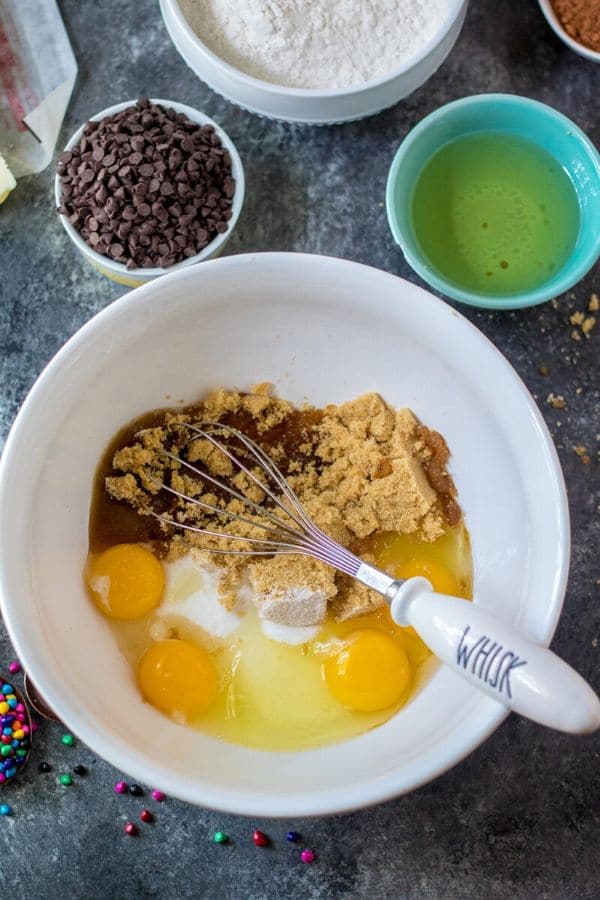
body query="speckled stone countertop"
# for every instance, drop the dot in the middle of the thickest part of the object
(519, 817)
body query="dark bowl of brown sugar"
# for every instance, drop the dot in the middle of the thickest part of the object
(148, 186)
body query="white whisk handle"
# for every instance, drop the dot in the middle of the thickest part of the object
(493, 657)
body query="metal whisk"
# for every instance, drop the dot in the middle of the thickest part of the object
(286, 526)
(490, 654)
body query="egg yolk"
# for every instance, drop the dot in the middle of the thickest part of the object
(443, 580)
(178, 678)
(126, 581)
(371, 672)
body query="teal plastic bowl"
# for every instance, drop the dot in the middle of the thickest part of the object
(523, 118)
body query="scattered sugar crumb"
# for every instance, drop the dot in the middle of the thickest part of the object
(588, 323)
(594, 303)
(556, 400)
(583, 322)
(582, 453)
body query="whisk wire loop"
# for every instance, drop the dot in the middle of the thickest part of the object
(305, 539)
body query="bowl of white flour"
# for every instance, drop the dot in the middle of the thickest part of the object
(317, 62)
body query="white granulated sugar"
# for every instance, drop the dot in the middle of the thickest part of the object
(315, 43)
(297, 606)
(288, 634)
(192, 593)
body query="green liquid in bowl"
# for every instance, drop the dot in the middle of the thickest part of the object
(495, 213)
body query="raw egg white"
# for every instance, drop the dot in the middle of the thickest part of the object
(272, 687)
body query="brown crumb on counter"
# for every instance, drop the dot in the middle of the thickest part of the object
(593, 303)
(544, 371)
(360, 469)
(582, 454)
(583, 322)
(556, 400)
(588, 324)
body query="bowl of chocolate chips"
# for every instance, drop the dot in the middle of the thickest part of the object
(148, 186)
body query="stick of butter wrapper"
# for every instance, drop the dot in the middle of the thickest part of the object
(7, 180)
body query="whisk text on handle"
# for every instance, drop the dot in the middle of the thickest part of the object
(488, 660)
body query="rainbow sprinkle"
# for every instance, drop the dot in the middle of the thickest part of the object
(14, 733)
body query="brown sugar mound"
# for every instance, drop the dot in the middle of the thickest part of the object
(581, 20)
(359, 469)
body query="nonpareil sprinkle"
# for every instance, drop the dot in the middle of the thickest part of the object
(147, 187)
(14, 733)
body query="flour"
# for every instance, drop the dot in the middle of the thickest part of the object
(315, 43)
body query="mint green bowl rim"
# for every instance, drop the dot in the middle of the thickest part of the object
(572, 273)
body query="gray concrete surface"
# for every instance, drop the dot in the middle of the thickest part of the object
(519, 818)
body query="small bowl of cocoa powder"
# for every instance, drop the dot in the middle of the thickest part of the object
(576, 23)
(148, 186)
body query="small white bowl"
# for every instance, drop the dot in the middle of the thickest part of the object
(314, 106)
(319, 328)
(135, 277)
(554, 23)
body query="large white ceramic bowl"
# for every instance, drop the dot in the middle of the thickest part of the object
(322, 329)
(313, 105)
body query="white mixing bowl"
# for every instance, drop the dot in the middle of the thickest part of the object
(320, 328)
(313, 106)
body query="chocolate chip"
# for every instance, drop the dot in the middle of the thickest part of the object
(147, 186)
(115, 250)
